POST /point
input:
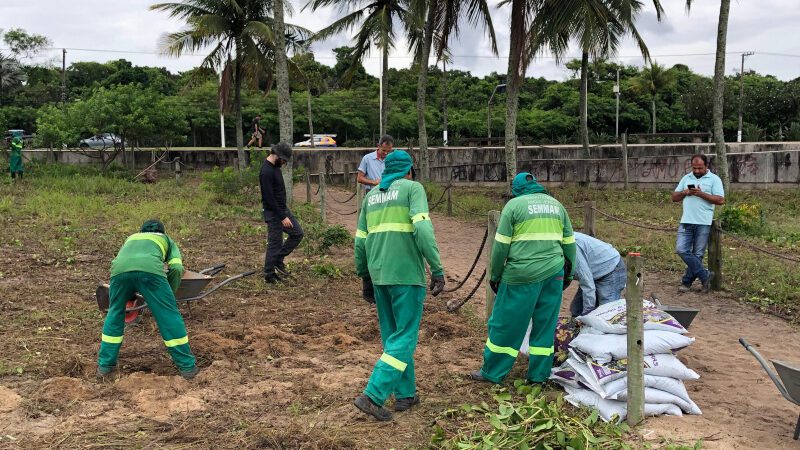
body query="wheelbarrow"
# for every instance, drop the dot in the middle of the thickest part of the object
(787, 380)
(190, 289)
(684, 316)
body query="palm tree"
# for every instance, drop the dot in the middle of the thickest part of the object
(242, 35)
(598, 27)
(284, 96)
(719, 94)
(653, 80)
(11, 73)
(375, 21)
(441, 22)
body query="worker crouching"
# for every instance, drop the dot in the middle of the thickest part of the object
(527, 273)
(393, 240)
(139, 267)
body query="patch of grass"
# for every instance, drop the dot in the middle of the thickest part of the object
(525, 417)
(319, 236)
(326, 270)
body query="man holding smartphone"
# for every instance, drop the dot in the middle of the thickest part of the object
(699, 191)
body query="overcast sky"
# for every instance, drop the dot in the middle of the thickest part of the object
(762, 26)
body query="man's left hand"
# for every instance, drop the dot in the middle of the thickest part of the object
(437, 284)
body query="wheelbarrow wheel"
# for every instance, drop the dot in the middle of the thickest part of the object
(132, 317)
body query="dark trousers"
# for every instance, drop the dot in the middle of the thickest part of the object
(277, 248)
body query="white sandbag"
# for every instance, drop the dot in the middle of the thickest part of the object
(525, 344)
(605, 347)
(609, 408)
(652, 395)
(565, 375)
(612, 318)
(661, 365)
(666, 384)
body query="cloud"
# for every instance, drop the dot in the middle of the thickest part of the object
(766, 26)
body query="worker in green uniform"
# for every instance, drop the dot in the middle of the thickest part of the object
(528, 270)
(139, 267)
(15, 161)
(393, 240)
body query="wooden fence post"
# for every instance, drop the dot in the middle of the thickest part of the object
(449, 200)
(494, 220)
(633, 295)
(308, 187)
(625, 158)
(588, 218)
(715, 255)
(346, 175)
(322, 189)
(177, 162)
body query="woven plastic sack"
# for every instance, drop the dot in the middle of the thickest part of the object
(605, 347)
(612, 318)
(608, 409)
(662, 365)
(666, 384)
(652, 395)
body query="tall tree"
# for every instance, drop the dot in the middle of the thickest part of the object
(598, 26)
(284, 97)
(375, 21)
(241, 34)
(24, 45)
(11, 74)
(719, 94)
(440, 18)
(654, 79)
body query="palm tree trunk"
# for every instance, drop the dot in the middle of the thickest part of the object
(719, 94)
(514, 78)
(237, 106)
(384, 91)
(444, 102)
(653, 106)
(310, 122)
(584, 101)
(422, 85)
(284, 97)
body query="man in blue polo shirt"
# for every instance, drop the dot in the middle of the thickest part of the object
(699, 191)
(371, 167)
(600, 272)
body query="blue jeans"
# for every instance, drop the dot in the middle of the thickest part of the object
(608, 288)
(691, 246)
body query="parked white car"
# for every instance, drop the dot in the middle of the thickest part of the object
(101, 141)
(320, 140)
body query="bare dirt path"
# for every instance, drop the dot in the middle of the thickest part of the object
(741, 407)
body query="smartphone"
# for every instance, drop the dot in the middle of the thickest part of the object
(690, 186)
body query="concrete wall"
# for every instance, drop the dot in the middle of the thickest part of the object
(752, 165)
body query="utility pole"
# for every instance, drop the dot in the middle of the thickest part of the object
(221, 117)
(497, 89)
(444, 101)
(741, 96)
(64, 77)
(616, 91)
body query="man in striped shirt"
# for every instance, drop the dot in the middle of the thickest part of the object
(534, 250)
(139, 267)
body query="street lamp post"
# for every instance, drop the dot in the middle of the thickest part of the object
(741, 96)
(497, 89)
(616, 92)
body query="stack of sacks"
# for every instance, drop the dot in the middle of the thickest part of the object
(595, 373)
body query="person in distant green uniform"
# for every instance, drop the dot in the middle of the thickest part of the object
(533, 252)
(15, 161)
(393, 240)
(139, 267)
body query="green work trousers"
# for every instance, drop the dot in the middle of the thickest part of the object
(514, 307)
(161, 301)
(399, 314)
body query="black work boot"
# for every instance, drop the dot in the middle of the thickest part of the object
(282, 271)
(191, 373)
(367, 406)
(404, 404)
(476, 375)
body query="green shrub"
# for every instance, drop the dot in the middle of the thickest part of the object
(327, 270)
(231, 185)
(746, 218)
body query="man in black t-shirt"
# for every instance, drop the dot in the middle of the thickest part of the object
(277, 216)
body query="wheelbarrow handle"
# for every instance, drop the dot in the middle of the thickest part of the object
(217, 286)
(213, 270)
(772, 375)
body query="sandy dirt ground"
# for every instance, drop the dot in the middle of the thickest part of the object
(281, 365)
(741, 407)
